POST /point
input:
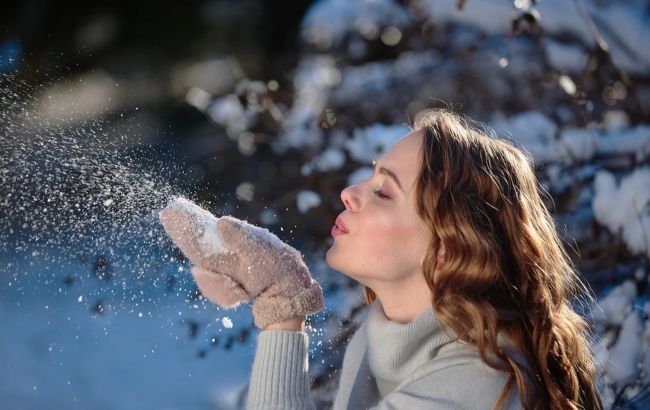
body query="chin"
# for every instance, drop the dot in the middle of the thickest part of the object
(342, 264)
(330, 259)
(334, 262)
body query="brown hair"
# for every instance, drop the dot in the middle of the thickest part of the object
(505, 268)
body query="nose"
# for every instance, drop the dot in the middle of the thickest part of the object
(349, 198)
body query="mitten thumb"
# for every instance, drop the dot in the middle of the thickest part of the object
(219, 288)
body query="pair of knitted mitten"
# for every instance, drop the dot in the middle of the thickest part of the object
(234, 261)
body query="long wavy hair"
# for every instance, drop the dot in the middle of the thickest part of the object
(505, 268)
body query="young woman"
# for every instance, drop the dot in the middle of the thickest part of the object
(468, 285)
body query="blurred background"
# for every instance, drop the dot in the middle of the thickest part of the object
(266, 110)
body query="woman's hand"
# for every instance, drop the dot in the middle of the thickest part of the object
(234, 261)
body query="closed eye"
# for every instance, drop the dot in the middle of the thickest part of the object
(380, 194)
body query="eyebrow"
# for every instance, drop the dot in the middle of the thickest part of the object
(386, 171)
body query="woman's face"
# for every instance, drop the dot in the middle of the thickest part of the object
(386, 240)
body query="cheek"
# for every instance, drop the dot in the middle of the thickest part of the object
(389, 243)
(403, 245)
(385, 244)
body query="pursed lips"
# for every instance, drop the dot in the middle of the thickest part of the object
(341, 225)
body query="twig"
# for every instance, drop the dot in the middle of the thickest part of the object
(601, 43)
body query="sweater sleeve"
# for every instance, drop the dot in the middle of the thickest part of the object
(280, 378)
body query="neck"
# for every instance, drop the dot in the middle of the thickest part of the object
(405, 300)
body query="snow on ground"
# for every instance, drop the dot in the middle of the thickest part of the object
(57, 351)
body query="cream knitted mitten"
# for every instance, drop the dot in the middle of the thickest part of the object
(234, 261)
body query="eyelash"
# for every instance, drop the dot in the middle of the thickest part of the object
(380, 194)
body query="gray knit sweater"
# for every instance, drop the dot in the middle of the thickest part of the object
(387, 365)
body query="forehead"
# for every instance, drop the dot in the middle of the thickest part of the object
(403, 157)
(404, 152)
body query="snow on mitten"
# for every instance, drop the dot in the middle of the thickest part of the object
(235, 260)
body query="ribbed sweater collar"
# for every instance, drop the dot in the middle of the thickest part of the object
(396, 349)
